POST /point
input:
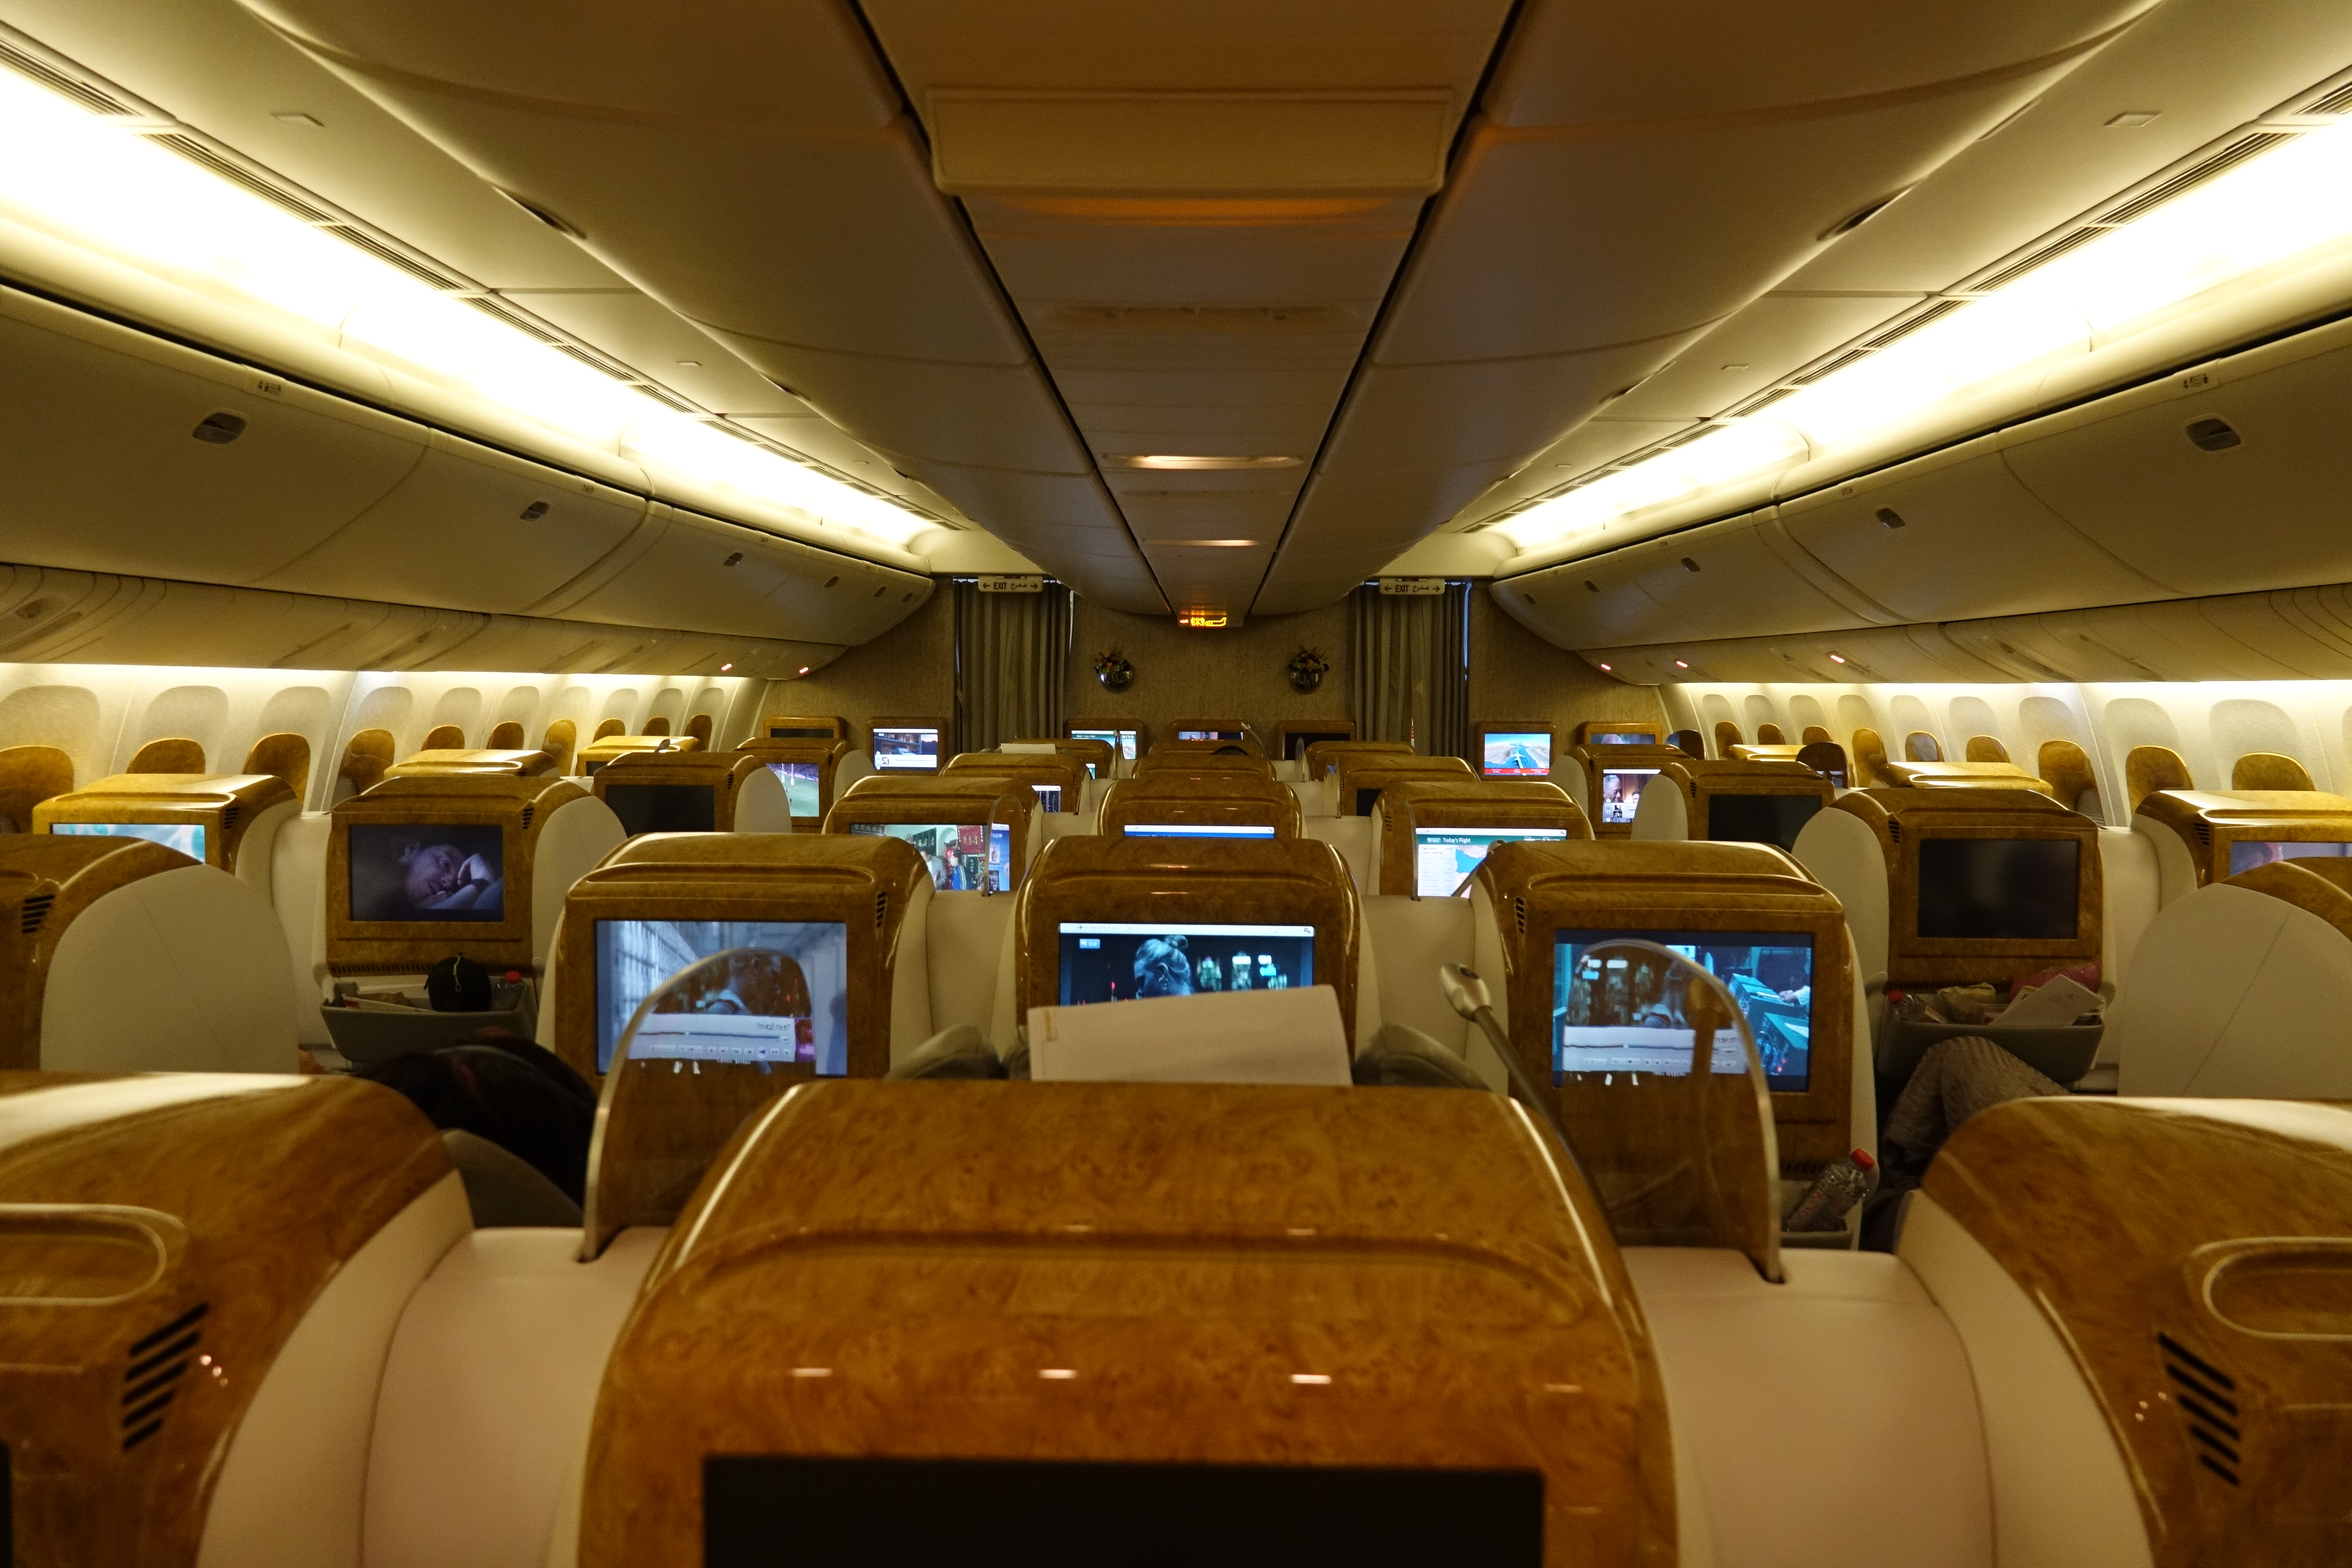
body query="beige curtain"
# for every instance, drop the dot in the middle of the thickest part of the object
(1013, 665)
(1409, 668)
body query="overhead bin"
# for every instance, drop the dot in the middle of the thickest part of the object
(127, 453)
(1954, 534)
(471, 528)
(2228, 478)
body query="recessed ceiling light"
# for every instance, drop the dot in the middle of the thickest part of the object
(691, 363)
(1208, 544)
(1837, 659)
(1734, 367)
(1680, 665)
(725, 667)
(2133, 119)
(1195, 463)
(296, 116)
(1604, 667)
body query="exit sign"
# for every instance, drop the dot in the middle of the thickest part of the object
(1416, 587)
(1018, 584)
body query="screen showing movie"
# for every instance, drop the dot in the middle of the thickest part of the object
(1444, 858)
(1999, 890)
(1614, 1012)
(1621, 792)
(785, 1000)
(2245, 854)
(428, 871)
(962, 856)
(1521, 754)
(803, 786)
(1116, 962)
(1049, 796)
(1624, 737)
(187, 838)
(900, 749)
(1760, 818)
(1122, 741)
(1208, 734)
(1198, 830)
(664, 808)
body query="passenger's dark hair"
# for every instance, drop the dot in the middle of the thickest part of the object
(518, 1095)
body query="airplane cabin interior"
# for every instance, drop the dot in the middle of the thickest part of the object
(1472, 781)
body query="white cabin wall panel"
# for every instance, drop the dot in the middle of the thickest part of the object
(2268, 512)
(1973, 541)
(105, 474)
(459, 530)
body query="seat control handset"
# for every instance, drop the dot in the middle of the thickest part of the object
(1467, 995)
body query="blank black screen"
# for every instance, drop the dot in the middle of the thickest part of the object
(2013, 890)
(762, 1512)
(1295, 743)
(664, 808)
(1761, 818)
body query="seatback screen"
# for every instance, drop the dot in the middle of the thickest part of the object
(900, 749)
(1614, 1012)
(963, 857)
(901, 1513)
(427, 871)
(804, 786)
(187, 838)
(1122, 741)
(1760, 818)
(1517, 755)
(1208, 734)
(664, 808)
(788, 734)
(786, 1001)
(1999, 890)
(1128, 962)
(1295, 741)
(1049, 796)
(1621, 792)
(1624, 737)
(1444, 858)
(1198, 830)
(2245, 854)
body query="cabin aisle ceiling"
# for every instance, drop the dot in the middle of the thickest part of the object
(1390, 249)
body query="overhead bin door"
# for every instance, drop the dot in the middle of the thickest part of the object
(473, 529)
(2226, 478)
(1953, 535)
(125, 453)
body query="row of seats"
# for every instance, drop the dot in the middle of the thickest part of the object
(408, 1381)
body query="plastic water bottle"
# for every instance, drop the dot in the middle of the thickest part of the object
(1842, 1185)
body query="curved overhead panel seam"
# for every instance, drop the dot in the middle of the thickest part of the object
(1703, 212)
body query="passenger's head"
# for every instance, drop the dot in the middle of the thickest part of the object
(517, 1094)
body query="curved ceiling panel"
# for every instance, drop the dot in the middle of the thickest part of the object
(1635, 177)
(752, 170)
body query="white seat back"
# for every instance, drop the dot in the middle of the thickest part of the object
(573, 841)
(761, 806)
(297, 887)
(186, 971)
(968, 938)
(1662, 812)
(1354, 839)
(1838, 849)
(2234, 993)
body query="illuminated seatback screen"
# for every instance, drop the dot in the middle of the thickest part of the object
(1517, 755)
(1621, 792)
(187, 838)
(1444, 858)
(1111, 962)
(1612, 1012)
(804, 786)
(962, 856)
(785, 1000)
(2245, 854)
(452, 871)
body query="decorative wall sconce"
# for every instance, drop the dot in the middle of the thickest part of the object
(1307, 668)
(1113, 670)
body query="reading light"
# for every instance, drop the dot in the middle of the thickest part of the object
(1057, 1373)
(1837, 659)
(1193, 463)
(1680, 665)
(725, 667)
(121, 194)
(1604, 667)
(1313, 1379)
(2277, 206)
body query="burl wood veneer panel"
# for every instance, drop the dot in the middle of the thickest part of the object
(1168, 1272)
(2198, 1265)
(160, 1237)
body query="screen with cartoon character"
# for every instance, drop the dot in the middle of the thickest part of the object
(785, 1000)
(1110, 961)
(1613, 1012)
(428, 871)
(962, 856)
